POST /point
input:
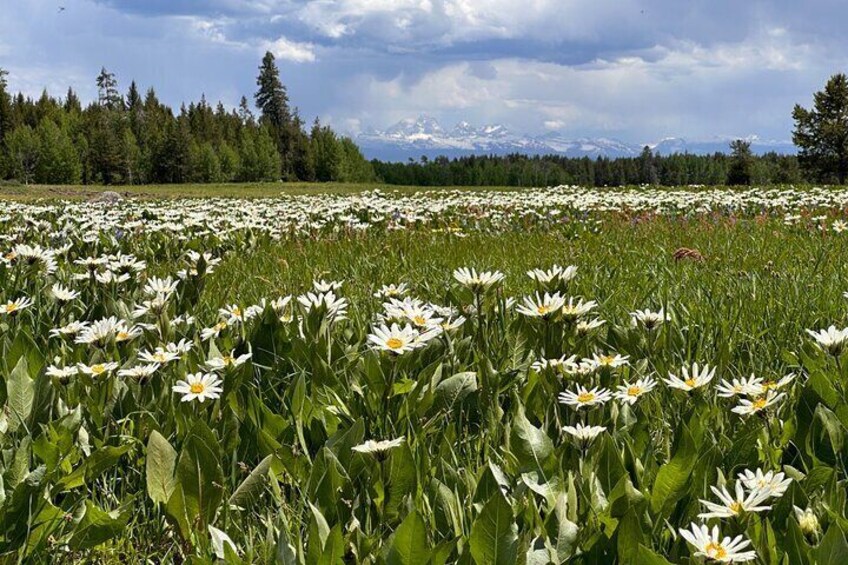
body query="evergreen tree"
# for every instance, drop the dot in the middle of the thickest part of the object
(273, 103)
(134, 101)
(107, 90)
(244, 113)
(72, 102)
(821, 133)
(740, 171)
(271, 98)
(647, 168)
(5, 107)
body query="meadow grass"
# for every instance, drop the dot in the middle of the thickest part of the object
(760, 285)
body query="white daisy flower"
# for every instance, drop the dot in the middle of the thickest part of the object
(199, 386)
(712, 546)
(691, 380)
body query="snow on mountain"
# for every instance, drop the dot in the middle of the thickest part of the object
(424, 136)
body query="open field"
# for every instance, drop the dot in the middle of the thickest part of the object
(237, 380)
(224, 190)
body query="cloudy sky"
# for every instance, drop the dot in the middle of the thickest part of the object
(637, 70)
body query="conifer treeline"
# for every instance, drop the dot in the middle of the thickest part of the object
(135, 139)
(522, 170)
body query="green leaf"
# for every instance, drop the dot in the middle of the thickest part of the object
(97, 526)
(199, 476)
(629, 533)
(160, 464)
(566, 532)
(494, 534)
(402, 478)
(530, 445)
(453, 390)
(20, 392)
(409, 545)
(251, 488)
(285, 553)
(334, 548)
(645, 556)
(673, 477)
(319, 531)
(832, 549)
(95, 465)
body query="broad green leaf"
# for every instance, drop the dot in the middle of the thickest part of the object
(494, 534)
(199, 476)
(319, 531)
(530, 445)
(99, 462)
(98, 526)
(160, 463)
(251, 488)
(673, 477)
(832, 549)
(453, 390)
(20, 392)
(645, 556)
(409, 545)
(402, 478)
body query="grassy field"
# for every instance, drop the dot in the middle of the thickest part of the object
(328, 442)
(224, 190)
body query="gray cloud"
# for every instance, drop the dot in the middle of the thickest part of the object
(629, 68)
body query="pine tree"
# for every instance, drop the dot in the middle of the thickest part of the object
(821, 133)
(107, 90)
(133, 98)
(72, 102)
(5, 107)
(273, 103)
(271, 98)
(740, 171)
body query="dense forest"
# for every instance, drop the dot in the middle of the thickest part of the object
(135, 139)
(740, 167)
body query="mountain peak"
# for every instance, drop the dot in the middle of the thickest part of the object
(414, 137)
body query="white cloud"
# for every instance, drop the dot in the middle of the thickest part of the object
(289, 50)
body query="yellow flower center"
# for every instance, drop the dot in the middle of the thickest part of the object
(11, 307)
(585, 397)
(419, 320)
(759, 403)
(691, 383)
(197, 388)
(607, 359)
(394, 343)
(122, 336)
(236, 312)
(227, 359)
(97, 369)
(220, 326)
(542, 310)
(735, 507)
(767, 385)
(715, 550)
(634, 390)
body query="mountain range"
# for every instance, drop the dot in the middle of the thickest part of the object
(424, 136)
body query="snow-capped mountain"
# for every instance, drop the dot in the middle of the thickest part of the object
(425, 136)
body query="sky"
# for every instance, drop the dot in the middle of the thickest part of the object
(635, 70)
